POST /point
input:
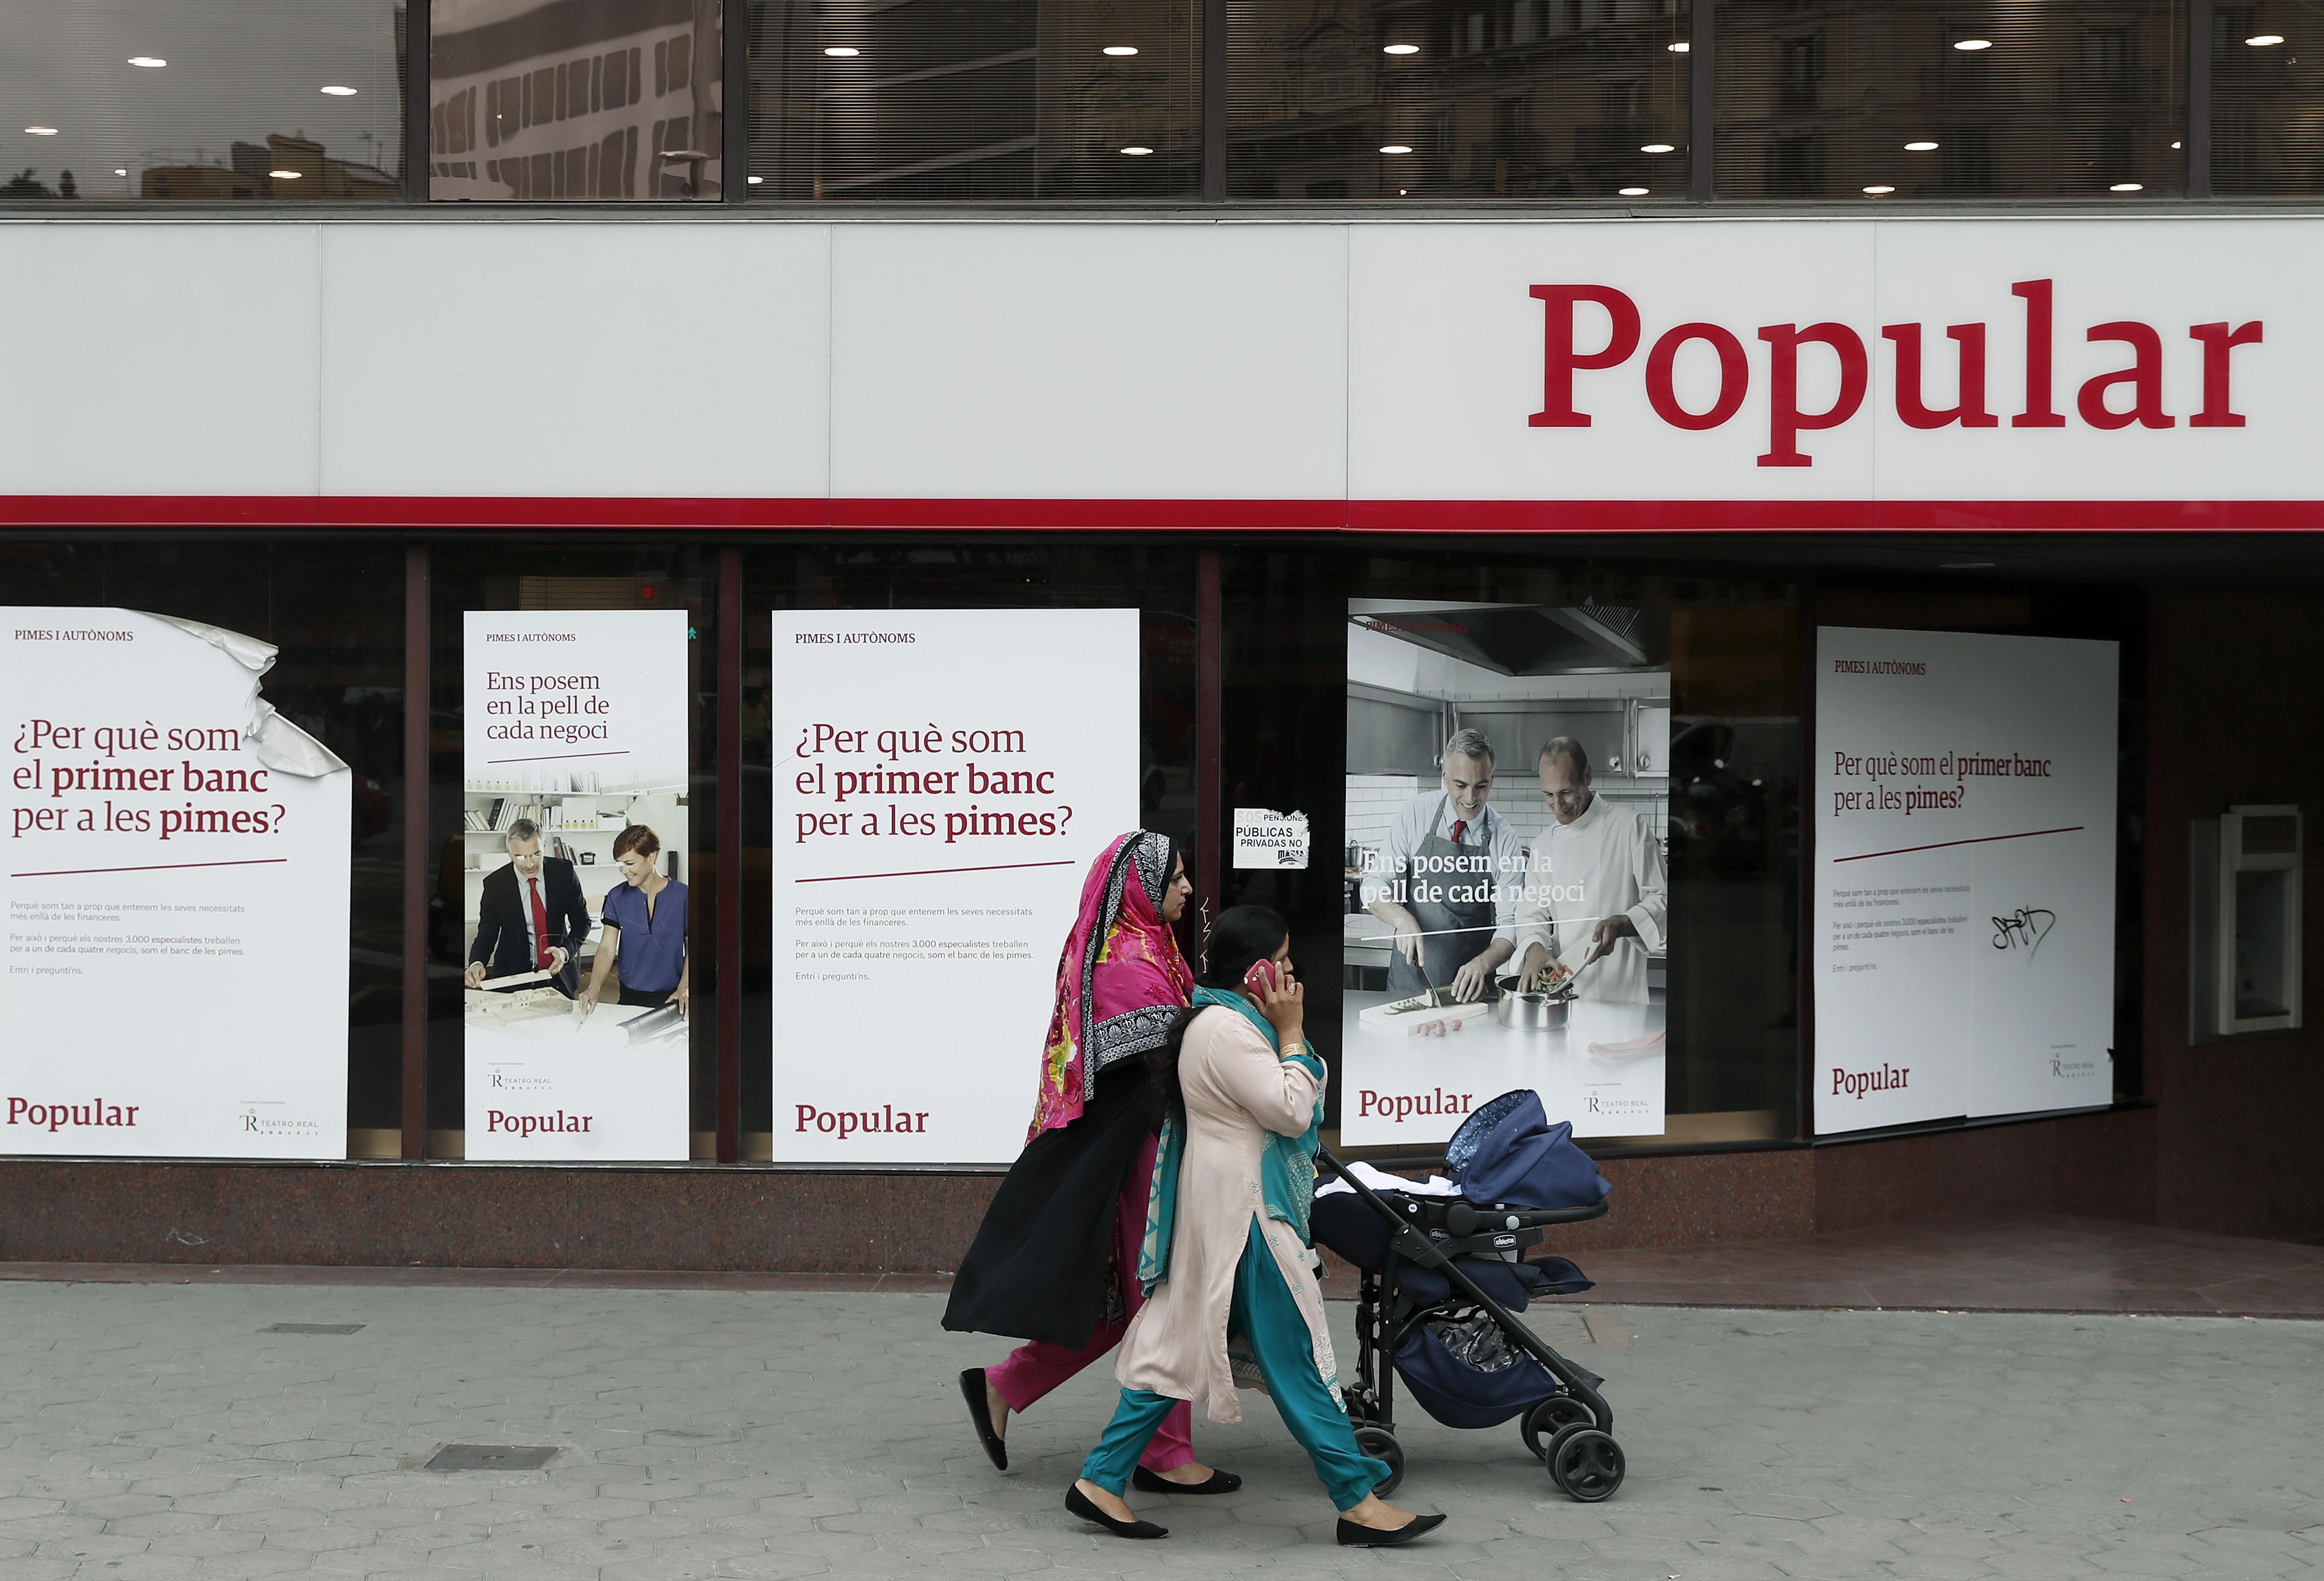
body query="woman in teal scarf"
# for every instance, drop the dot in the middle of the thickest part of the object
(1231, 1298)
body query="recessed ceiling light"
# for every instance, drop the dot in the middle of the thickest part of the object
(121, 172)
(2128, 186)
(1677, 49)
(754, 180)
(1396, 148)
(42, 131)
(339, 91)
(1655, 148)
(285, 175)
(1877, 191)
(1631, 192)
(1138, 148)
(1399, 48)
(1919, 147)
(1972, 43)
(151, 63)
(842, 51)
(2262, 40)
(1121, 49)
(1966, 565)
(2174, 145)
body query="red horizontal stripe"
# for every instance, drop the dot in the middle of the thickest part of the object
(1535, 516)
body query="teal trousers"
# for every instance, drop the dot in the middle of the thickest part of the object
(1269, 1321)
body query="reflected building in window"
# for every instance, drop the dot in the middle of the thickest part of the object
(1916, 98)
(1457, 98)
(574, 100)
(985, 100)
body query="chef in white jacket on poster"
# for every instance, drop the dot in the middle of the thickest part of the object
(1594, 886)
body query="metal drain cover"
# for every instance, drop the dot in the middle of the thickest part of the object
(312, 1327)
(490, 1457)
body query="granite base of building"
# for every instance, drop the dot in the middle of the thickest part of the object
(763, 1219)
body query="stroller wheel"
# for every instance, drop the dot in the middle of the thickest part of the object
(1543, 1421)
(1586, 1462)
(1381, 1444)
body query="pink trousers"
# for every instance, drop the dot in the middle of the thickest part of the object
(1037, 1366)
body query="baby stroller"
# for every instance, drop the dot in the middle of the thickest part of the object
(1440, 1283)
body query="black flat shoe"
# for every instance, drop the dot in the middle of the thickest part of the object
(980, 1417)
(1149, 1482)
(1078, 1503)
(1354, 1536)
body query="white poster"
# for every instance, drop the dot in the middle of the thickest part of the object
(943, 779)
(1963, 937)
(1508, 822)
(177, 898)
(576, 898)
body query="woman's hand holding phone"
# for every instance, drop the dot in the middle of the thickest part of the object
(1281, 1000)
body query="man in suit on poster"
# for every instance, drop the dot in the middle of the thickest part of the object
(532, 918)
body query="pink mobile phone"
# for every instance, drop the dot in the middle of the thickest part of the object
(1263, 975)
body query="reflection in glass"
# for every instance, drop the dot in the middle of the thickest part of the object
(574, 100)
(899, 100)
(217, 100)
(2267, 101)
(1918, 99)
(1457, 98)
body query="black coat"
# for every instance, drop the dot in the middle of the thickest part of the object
(502, 941)
(1037, 1267)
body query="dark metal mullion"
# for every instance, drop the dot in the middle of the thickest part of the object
(417, 870)
(734, 150)
(1215, 101)
(1210, 730)
(1702, 101)
(730, 855)
(2199, 98)
(417, 36)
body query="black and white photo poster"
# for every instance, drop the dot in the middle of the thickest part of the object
(1964, 901)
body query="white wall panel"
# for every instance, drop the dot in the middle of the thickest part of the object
(2169, 274)
(158, 358)
(1089, 361)
(1106, 359)
(575, 359)
(1446, 357)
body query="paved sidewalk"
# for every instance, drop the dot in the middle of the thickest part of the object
(156, 1430)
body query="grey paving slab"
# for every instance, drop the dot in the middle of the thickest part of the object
(156, 1430)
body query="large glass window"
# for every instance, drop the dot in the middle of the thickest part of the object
(1927, 98)
(1458, 99)
(2268, 108)
(211, 100)
(896, 100)
(565, 101)
(990, 573)
(335, 612)
(1671, 701)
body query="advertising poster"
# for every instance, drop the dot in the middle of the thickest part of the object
(1506, 903)
(177, 898)
(943, 779)
(574, 898)
(1963, 933)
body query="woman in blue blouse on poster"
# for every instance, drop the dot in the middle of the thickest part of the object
(644, 928)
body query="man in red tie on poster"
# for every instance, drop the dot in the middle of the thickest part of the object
(532, 917)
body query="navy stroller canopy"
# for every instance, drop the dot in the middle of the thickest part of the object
(1507, 1154)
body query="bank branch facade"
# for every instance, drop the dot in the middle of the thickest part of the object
(549, 738)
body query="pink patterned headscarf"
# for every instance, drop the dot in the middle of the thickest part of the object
(1121, 980)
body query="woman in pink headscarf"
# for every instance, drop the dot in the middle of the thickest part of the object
(1056, 1260)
